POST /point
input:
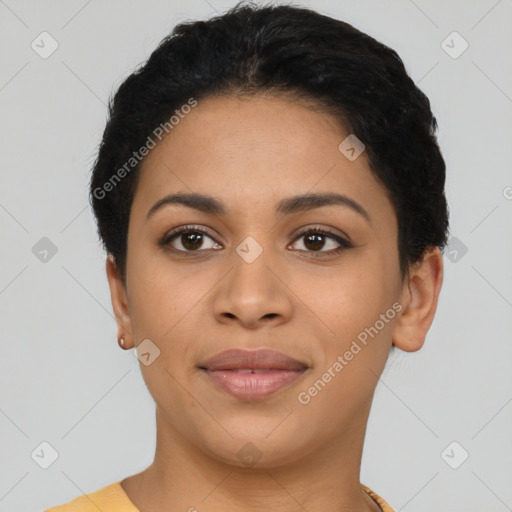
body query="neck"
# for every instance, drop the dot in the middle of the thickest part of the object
(183, 477)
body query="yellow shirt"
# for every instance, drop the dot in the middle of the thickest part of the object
(112, 498)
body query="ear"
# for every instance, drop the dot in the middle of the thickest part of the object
(419, 297)
(119, 302)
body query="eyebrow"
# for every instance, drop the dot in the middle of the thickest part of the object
(287, 206)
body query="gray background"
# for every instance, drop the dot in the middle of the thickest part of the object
(63, 378)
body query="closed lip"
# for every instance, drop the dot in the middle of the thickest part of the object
(258, 359)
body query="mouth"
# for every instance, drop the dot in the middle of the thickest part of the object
(253, 374)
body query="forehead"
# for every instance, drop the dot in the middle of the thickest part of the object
(254, 149)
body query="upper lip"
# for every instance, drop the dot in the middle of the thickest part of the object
(260, 359)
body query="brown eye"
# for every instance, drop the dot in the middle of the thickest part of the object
(314, 241)
(192, 240)
(189, 239)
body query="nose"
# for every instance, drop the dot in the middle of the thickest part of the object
(253, 294)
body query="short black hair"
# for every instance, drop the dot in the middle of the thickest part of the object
(283, 50)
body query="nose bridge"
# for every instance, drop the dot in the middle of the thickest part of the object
(251, 292)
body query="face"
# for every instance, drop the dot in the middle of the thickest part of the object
(315, 280)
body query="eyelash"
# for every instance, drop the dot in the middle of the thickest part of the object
(344, 244)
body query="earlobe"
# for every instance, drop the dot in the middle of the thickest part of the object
(419, 298)
(119, 302)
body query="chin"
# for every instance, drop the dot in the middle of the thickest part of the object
(256, 448)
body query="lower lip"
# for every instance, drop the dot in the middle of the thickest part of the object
(250, 386)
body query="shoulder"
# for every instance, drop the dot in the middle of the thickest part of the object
(385, 507)
(111, 498)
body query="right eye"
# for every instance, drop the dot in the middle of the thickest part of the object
(188, 239)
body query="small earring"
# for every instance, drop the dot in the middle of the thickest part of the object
(121, 341)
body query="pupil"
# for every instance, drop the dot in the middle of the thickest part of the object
(192, 240)
(316, 241)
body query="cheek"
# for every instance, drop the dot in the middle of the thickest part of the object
(353, 312)
(348, 296)
(163, 312)
(162, 293)
(356, 350)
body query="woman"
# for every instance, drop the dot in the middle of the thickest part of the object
(270, 194)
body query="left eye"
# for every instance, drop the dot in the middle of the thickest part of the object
(317, 240)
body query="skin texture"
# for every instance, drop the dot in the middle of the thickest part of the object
(250, 153)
